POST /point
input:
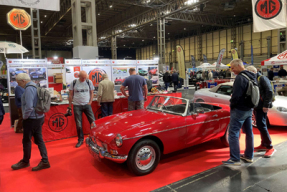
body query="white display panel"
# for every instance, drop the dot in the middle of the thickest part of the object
(95, 73)
(120, 73)
(149, 73)
(96, 62)
(72, 72)
(37, 74)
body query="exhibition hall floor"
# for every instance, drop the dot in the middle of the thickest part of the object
(76, 170)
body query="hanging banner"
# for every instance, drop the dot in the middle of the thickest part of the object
(234, 54)
(251, 54)
(193, 61)
(219, 58)
(268, 15)
(52, 5)
(180, 59)
(204, 59)
(19, 19)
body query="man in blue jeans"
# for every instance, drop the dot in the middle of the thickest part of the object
(81, 95)
(240, 115)
(260, 112)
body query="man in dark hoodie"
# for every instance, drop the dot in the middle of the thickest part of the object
(166, 79)
(240, 115)
(265, 102)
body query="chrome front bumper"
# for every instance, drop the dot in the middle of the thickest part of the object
(101, 153)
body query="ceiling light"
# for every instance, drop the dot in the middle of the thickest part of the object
(99, 13)
(133, 25)
(234, 15)
(124, 45)
(168, 33)
(184, 28)
(142, 40)
(45, 15)
(55, 57)
(41, 21)
(111, 6)
(153, 37)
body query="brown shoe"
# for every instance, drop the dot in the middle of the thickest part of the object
(20, 165)
(41, 166)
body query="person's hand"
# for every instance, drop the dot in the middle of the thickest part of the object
(99, 104)
(69, 109)
(90, 103)
(145, 98)
(265, 110)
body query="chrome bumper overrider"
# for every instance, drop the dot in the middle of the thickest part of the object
(95, 150)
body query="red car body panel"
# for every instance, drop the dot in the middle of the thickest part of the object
(174, 131)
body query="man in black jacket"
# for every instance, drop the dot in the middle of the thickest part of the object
(175, 80)
(265, 102)
(282, 72)
(240, 115)
(166, 79)
(270, 74)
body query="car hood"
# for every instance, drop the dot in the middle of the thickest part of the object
(109, 127)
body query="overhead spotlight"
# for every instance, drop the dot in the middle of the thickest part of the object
(111, 6)
(55, 57)
(153, 37)
(184, 28)
(45, 15)
(168, 33)
(124, 45)
(41, 21)
(151, 25)
(234, 15)
(99, 14)
(142, 40)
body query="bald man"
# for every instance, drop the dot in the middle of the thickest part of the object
(81, 95)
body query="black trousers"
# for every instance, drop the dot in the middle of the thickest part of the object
(33, 127)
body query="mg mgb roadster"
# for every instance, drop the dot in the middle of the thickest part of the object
(168, 124)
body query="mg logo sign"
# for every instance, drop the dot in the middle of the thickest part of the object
(268, 9)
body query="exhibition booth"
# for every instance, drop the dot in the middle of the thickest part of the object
(57, 78)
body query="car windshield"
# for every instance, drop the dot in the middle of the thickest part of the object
(168, 104)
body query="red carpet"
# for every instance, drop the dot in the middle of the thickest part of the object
(75, 169)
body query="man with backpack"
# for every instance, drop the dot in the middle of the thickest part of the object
(241, 114)
(265, 102)
(32, 124)
(81, 94)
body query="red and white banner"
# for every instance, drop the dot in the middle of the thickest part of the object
(280, 59)
(59, 60)
(268, 15)
(52, 5)
(219, 58)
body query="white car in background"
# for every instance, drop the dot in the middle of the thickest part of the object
(277, 115)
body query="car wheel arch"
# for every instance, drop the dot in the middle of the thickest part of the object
(151, 137)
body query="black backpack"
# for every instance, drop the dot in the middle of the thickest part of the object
(252, 93)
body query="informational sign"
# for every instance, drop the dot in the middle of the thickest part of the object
(268, 15)
(37, 74)
(120, 73)
(73, 61)
(19, 19)
(26, 62)
(124, 62)
(52, 5)
(264, 70)
(95, 73)
(96, 62)
(146, 62)
(149, 73)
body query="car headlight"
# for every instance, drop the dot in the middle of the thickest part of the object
(119, 140)
(282, 109)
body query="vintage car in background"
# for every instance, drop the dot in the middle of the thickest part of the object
(276, 116)
(142, 72)
(38, 74)
(168, 124)
(119, 81)
(153, 71)
(14, 73)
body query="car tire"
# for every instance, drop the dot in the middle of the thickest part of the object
(149, 151)
(199, 100)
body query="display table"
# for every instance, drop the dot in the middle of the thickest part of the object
(57, 126)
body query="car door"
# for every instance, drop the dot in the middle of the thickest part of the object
(201, 127)
(222, 95)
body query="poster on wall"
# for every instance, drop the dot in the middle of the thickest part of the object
(149, 73)
(264, 70)
(120, 73)
(72, 72)
(95, 74)
(37, 75)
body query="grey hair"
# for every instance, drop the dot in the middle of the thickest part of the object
(251, 69)
(237, 62)
(105, 76)
(23, 77)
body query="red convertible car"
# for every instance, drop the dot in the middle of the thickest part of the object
(168, 124)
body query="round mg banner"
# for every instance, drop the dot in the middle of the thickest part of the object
(268, 9)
